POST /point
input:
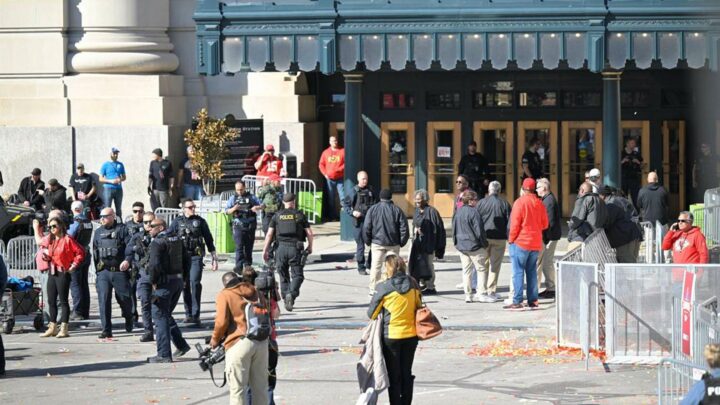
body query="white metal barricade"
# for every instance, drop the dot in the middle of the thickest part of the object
(20, 257)
(675, 377)
(168, 214)
(296, 186)
(572, 281)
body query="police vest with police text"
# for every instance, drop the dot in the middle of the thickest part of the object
(712, 390)
(84, 232)
(110, 245)
(289, 224)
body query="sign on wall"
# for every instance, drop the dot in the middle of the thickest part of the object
(244, 150)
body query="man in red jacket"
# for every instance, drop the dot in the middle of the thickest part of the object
(528, 219)
(268, 164)
(686, 241)
(332, 166)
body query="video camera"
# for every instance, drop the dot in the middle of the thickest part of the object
(209, 357)
(265, 281)
(42, 217)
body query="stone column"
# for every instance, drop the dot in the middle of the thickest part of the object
(611, 129)
(120, 36)
(353, 143)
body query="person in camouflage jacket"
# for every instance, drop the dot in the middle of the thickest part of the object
(270, 194)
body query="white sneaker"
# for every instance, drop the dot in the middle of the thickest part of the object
(493, 297)
(460, 286)
(468, 298)
(508, 301)
(483, 298)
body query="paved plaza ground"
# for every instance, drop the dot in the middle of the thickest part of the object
(485, 356)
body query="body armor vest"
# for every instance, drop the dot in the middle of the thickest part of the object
(288, 224)
(244, 203)
(110, 245)
(712, 390)
(190, 231)
(141, 251)
(84, 233)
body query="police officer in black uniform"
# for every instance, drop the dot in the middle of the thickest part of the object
(81, 230)
(138, 254)
(356, 204)
(243, 206)
(165, 269)
(195, 234)
(292, 229)
(531, 161)
(109, 245)
(134, 226)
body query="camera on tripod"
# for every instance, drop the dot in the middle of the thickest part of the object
(210, 357)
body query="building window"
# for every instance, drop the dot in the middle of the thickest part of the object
(398, 51)
(372, 51)
(422, 51)
(695, 49)
(669, 49)
(538, 99)
(308, 52)
(348, 51)
(396, 101)
(282, 52)
(498, 47)
(550, 50)
(474, 50)
(524, 50)
(443, 101)
(491, 99)
(233, 49)
(676, 98)
(643, 43)
(447, 51)
(257, 53)
(617, 49)
(582, 99)
(575, 49)
(634, 98)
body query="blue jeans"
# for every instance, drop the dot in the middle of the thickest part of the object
(166, 297)
(524, 264)
(106, 281)
(193, 287)
(331, 186)
(113, 194)
(193, 191)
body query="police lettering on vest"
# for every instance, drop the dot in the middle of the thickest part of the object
(84, 233)
(712, 390)
(288, 224)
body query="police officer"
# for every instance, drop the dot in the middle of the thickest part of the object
(109, 243)
(292, 228)
(165, 272)
(81, 230)
(138, 254)
(243, 206)
(195, 234)
(134, 226)
(356, 204)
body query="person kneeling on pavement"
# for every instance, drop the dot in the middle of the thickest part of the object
(242, 324)
(165, 269)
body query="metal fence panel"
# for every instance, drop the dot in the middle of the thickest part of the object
(20, 257)
(572, 278)
(295, 186)
(168, 214)
(675, 378)
(711, 224)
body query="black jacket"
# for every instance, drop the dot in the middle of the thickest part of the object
(495, 213)
(432, 238)
(475, 167)
(56, 199)
(468, 230)
(619, 228)
(589, 215)
(554, 230)
(653, 203)
(351, 203)
(386, 225)
(28, 192)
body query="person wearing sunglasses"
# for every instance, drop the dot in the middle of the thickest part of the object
(109, 244)
(137, 253)
(686, 241)
(196, 237)
(64, 256)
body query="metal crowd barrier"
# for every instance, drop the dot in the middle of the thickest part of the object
(675, 377)
(168, 214)
(20, 257)
(711, 224)
(2, 248)
(295, 186)
(572, 279)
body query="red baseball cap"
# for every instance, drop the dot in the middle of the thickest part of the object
(269, 147)
(529, 184)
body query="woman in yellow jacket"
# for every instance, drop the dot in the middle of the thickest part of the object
(397, 298)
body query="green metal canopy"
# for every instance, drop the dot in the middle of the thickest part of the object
(393, 35)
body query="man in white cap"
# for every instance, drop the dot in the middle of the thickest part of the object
(593, 177)
(112, 174)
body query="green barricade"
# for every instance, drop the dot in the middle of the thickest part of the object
(221, 229)
(698, 211)
(309, 202)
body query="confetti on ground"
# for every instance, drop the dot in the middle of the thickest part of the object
(532, 348)
(350, 349)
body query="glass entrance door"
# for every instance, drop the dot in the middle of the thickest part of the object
(639, 131)
(546, 132)
(495, 142)
(397, 159)
(443, 157)
(674, 164)
(581, 151)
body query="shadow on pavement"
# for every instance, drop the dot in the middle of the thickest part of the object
(68, 370)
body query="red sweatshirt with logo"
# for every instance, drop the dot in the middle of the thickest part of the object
(332, 163)
(687, 247)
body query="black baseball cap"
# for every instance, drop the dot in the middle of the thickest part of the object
(289, 197)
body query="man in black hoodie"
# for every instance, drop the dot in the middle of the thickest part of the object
(551, 235)
(474, 166)
(622, 232)
(55, 197)
(653, 201)
(386, 230)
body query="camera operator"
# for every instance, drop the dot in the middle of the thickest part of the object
(264, 282)
(165, 270)
(243, 206)
(246, 359)
(292, 228)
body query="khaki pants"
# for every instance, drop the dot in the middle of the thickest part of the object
(471, 262)
(491, 261)
(246, 363)
(546, 265)
(378, 253)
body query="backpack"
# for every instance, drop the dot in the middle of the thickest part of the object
(257, 317)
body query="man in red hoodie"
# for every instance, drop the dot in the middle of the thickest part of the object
(332, 166)
(528, 219)
(686, 241)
